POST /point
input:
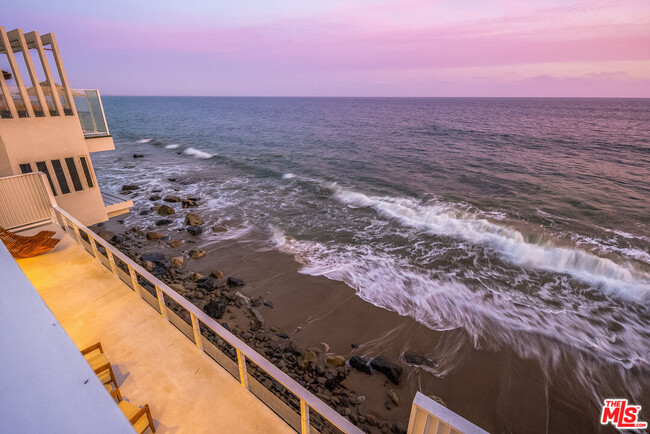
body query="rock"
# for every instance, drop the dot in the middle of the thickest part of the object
(193, 220)
(195, 230)
(217, 274)
(148, 265)
(354, 345)
(188, 203)
(176, 262)
(326, 346)
(392, 371)
(372, 420)
(360, 364)
(106, 235)
(219, 229)
(196, 253)
(257, 318)
(400, 427)
(175, 243)
(154, 236)
(232, 282)
(282, 335)
(418, 360)
(164, 222)
(154, 198)
(153, 257)
(118, 239)
(268, 304)
(172, 199)
(138, 155)
(438, 400)
(306, 359)
(215, 309)
(336, 361)
(145, 212)
(178, 288)
(196, 277)
(128, 187)
(226, 326)
(165, 210)
(393, 396)
(207, 283)
(321, 380)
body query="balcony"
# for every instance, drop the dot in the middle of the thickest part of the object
(90, 110)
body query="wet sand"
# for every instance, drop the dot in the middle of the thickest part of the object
(496, 390)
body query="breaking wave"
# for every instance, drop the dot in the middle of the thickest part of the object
(198, 153)
(172, 146)
(144, 140)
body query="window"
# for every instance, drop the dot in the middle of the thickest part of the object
(74, 175)
(84, 165)
(26, 168)
(60, 176)
(42, 167)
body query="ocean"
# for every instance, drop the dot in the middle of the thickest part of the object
(524, 222)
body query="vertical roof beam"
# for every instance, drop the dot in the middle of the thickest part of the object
(50, 39)
(36, 39)
(17, 34)
(5, 91)
(14, 68)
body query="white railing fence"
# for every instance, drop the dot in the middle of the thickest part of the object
(429, 417)
(25, 201)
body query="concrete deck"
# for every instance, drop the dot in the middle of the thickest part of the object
(154, 363)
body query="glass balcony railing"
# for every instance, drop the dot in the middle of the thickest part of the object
(91, 112)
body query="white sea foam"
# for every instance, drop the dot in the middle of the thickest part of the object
(288, 176)
(173, 146)
(198, 153)
(444, 220)
(144, 140)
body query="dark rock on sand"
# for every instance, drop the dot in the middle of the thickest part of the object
(138, 155)
(164, 222)
(219, 229)
(193, 220)
(360, 364)
(172, 199)
(154, 198)
(195, 230)
(226, 326)
(390, 370)
(165, 210)
(188, 203)
(153, 257)
(232, 282)
(268, 304)
(282, 335)
(145, 212)
(215, 309)
(106, 235)
(118, 239)
(153, 236)
(196, 253)
(128, 187)
(207, 283)
(418, 360)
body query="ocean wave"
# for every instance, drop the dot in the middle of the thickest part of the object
(443, 219)
(172, 146)
(198, 153)
(288, 176)
(144, 140)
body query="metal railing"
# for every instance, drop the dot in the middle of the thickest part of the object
(18, 213)
(89, 107)
(427, 416)
(292, 402)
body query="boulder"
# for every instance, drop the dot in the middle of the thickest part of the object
(164, 222)
(360, 364)
(193, 220)
(178, 288)
(219, 229)
(207, 283)
(336, 361)
(232, 282)
(418, 360)
(196, 253)
(217, 274)
(195, 230)
(153, 257)
(175, 243)
(165, 210)
(106, 235)
(196, 277)
(154, 236)
(188, 203)
(128, 187)
(145, 212)
(393, 396)
(306, 359)
(118, 239)
(172, 199)
(282, 335)
(138, 155)
(176, 262)
(215, 308)
(154, 198)
(392, 371)
(148, 265)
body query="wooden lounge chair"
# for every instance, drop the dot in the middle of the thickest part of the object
(95, 357)
(21, 246)
(140, 418)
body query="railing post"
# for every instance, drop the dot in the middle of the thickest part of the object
(134, 281)
(76, 232)
(197, 331)
(161, 302)
(111, 259)
(93, 244)
(241, 361)
(304, 417)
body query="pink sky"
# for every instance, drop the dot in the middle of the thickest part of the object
(345, 48)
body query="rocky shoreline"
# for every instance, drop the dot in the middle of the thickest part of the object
(170, 255)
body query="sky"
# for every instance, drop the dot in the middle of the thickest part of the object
(446, 48)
